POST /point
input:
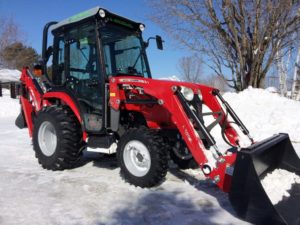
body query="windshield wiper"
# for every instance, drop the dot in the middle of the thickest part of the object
(137, 59)
(132, 68)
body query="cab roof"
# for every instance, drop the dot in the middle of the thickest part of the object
(94, 12)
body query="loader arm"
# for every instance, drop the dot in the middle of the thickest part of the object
(169, 101)
(239, 172)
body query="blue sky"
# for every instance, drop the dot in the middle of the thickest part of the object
(32, 15)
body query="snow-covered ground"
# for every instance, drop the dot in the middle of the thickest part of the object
(95, 193)
(9, 75)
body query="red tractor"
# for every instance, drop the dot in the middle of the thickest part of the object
(99, 94)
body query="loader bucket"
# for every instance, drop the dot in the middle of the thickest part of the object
(247, 195)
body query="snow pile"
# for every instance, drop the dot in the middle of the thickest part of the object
(265, 113)
(277, 184)
(272, 89)
(174, 78)
(9, 75)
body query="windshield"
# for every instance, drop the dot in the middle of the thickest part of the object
(123, 52)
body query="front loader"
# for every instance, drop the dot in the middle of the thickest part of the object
(98, 94)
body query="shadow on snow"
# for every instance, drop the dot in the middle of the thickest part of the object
(158, 207)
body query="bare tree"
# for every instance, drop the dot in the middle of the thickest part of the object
(240, 37)
(190, 68)
(9, 33)
(216, 82)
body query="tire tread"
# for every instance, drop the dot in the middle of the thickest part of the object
(68, 153)
(157, 149)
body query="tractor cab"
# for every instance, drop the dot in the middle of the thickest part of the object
(87, 49)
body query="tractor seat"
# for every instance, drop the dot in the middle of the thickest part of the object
(90, 104)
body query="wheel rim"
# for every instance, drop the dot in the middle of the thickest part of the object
(47, 138)
(137, 158)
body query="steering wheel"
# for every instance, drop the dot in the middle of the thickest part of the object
(73, 81)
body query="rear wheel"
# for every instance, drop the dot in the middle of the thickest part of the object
(57, 138)
(142, 157)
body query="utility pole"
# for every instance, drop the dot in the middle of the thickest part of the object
(282, 72)
(296, 78)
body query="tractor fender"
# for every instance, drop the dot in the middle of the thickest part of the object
(68, 100)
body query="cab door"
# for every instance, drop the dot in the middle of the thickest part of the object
(79, 71)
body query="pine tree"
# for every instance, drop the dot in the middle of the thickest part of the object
(17, 55)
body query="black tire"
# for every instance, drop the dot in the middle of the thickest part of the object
(183, 163)
(157, 155)
(183, 159)
(67, 152)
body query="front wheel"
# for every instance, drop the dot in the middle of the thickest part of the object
(142, 157)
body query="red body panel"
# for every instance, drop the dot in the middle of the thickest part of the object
(66, 99)
(32, 102)
(33, 95)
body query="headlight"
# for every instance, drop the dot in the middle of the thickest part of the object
(200, 95)
(101, 13)
(142, 27)
(187, 93)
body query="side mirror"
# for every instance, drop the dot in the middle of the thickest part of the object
(159, 42)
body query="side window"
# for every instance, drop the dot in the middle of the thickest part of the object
(80, 51)
(108, 57)
(59, 61)
(75, 58)
(61, 53)
(83, 60)
(82, 63)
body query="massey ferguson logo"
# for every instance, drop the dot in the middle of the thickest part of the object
(187, 135)
(133, 80)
